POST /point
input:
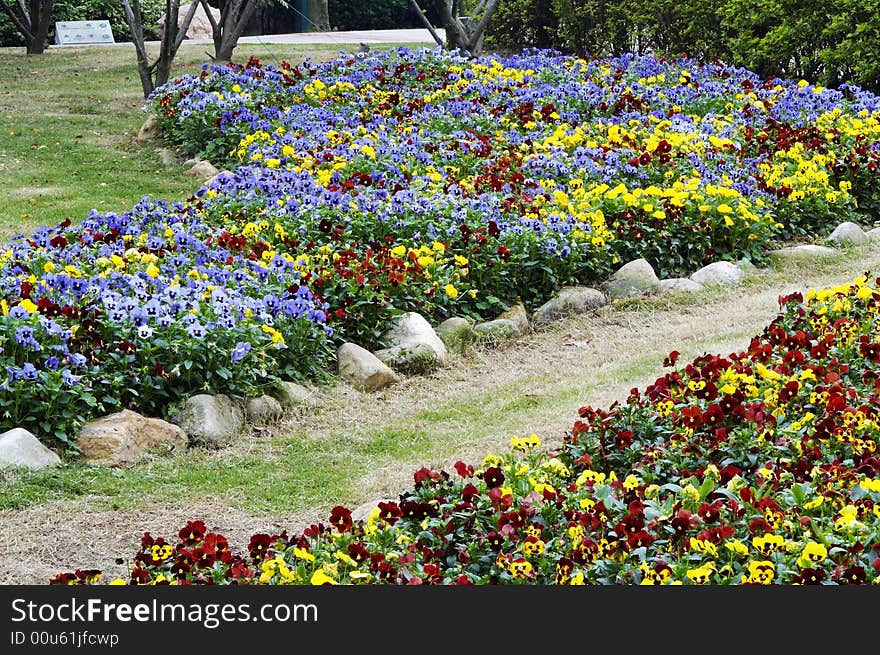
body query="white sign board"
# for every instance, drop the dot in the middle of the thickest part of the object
(76, 32)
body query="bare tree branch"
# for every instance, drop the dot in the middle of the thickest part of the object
(477, 33)
(427, 23)
(181, 32)
(211, 19)
(22, 27)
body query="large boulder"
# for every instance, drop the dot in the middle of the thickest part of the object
(19, 448)
(414, 346)
(362, 369)
(873, 233)
(719, 274)
(848, 234)
(118, 439)
(570, 301)
(199, 27)
(456, 333)
(636, 278)
(211, 420)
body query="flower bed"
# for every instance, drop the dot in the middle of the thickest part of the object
(409, 181)
(757, 468)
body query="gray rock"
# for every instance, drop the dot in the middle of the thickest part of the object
(291, 394)
(500, 329)
(414, 346)
(719, 274)
(637, 278)
(203, 170)
(848, 234)
(149, 130)
(748, 268)
(216, 180)
(166, 157)
(363, 370)
(570, 301)
(211, 420)
(263, 410)
(518, 314)
(415, 358)
(200, 26)
(118, 439)
(18, 447)
(679, 285)
(456, 333)
(807, 251)
(874, 233)
(192, 161)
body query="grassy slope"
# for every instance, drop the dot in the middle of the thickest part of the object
(68, 119)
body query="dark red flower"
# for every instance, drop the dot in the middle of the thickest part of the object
(464, 470)
(358, 553)
(192, 532)
(389, 512)
(852, 575)
(259, 546)
(671, 358)
(495, 540)
(809, 576)
(493, 477)
(340, 518)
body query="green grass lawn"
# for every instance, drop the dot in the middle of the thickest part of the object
(68, 119)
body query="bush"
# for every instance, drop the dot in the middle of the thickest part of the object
(376, 15)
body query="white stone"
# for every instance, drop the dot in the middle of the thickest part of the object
(848, 234)
(362, 369)
(413, 345)
(636, 278)
(719, 274)
(211, 420)
(291, 394)
(456, 333)
(570, 301)
(118, 439)
(807, 251)
(203, 170)
(18, 447)
(679, 285)
(149, 130)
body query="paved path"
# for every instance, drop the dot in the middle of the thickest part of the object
(359, 36)
(415, 36)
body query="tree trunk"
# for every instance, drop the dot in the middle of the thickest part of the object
(32, 22)
(234, 18)
(319, 16)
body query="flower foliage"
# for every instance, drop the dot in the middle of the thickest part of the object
(760, 467)
(409, 181)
